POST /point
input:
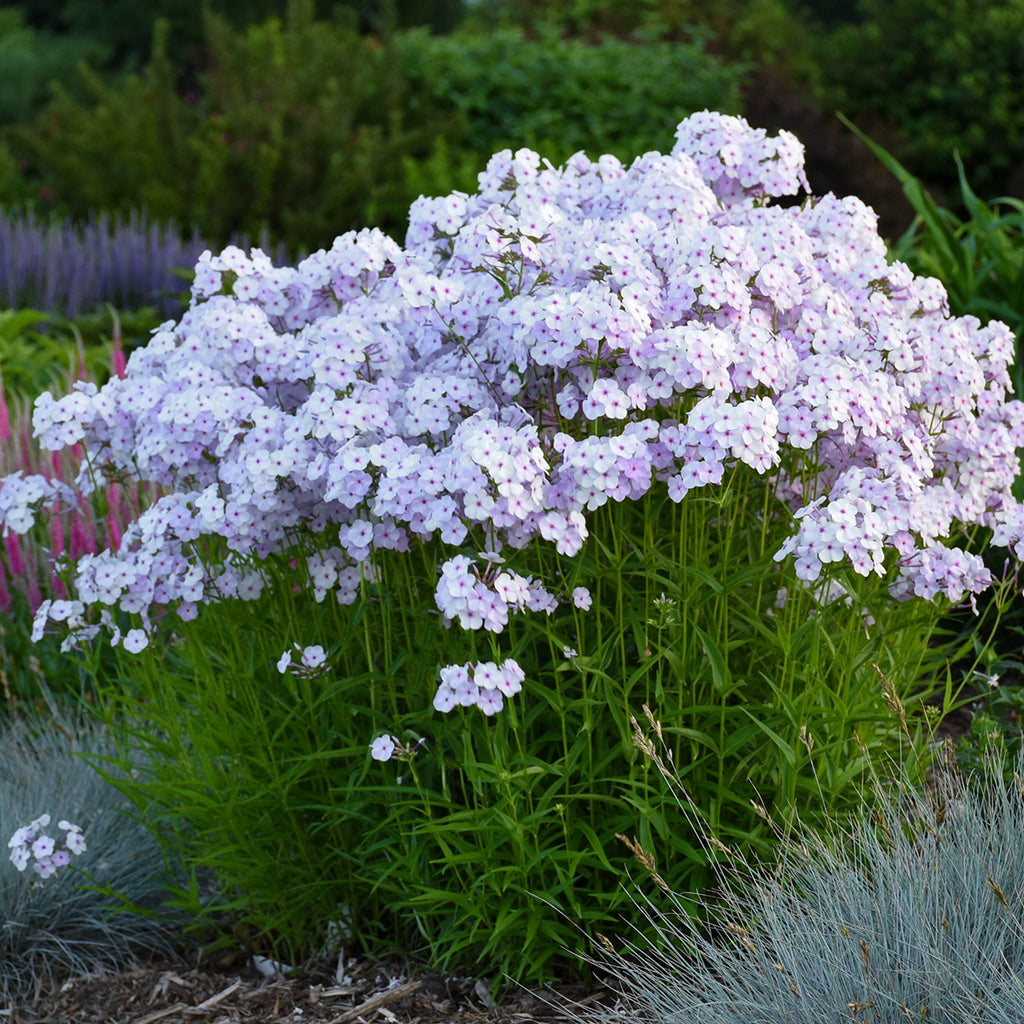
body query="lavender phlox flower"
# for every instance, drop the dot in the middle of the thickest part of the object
(135, 640)
(741, 162)
(937, 569)
(484, 684)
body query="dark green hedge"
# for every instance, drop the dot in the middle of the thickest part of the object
(309, 128)
(949, 76)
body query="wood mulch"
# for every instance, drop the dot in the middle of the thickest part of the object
(370, 992)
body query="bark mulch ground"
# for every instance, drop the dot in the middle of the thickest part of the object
(371, 992)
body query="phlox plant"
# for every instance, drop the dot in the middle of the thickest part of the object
(436, 519)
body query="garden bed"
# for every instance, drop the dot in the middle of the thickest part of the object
(375, 990)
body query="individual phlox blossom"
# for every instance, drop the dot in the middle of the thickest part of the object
(387, 748)
(581, 598)
(383, 747)
(484, 684)
(42, 847)
(135, 640)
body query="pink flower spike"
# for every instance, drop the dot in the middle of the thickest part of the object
(5, 414)
(14, 559)
(118, 363)
(490, 702)
(113, 531)
(56, 531)
(79, 543)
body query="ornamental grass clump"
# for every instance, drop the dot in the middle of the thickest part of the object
(915, 911)
(65, 888)
(436, 519)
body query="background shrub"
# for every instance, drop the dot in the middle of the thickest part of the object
(744, 30)
(124, 28)
(561, 95)
(297, 127)
(32, 61)
(306, 129)
(948, 77)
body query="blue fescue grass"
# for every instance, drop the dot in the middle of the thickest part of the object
(75, 920)
(914, 911)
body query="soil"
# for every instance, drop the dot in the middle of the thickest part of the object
(370, 992)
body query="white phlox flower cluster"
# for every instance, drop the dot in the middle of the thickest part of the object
(30, 844)
(23, 498)
(562, 338)
(484, 685)
(311, 660)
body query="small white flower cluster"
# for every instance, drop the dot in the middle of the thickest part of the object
(23, 497)
(562, 338)
(386, 747)
(311, 660)
(31, 844)
(484, 685)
